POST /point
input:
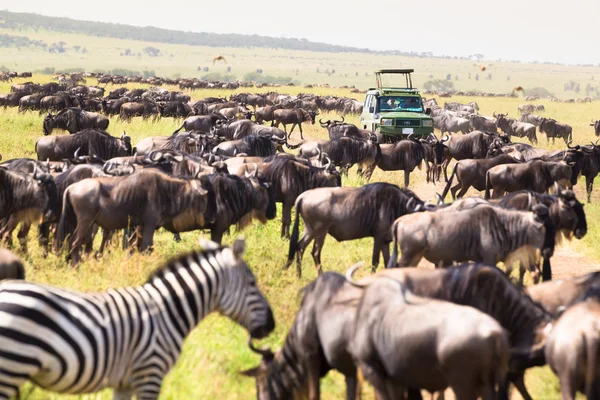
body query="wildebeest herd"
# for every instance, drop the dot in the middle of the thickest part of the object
(463, 325)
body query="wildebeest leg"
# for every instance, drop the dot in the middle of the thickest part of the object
(385, 250)
(8, 226)
(353, 389)
(445, 167)
(377, 248)
(369, 172)
(22, 235)
(148, 236)
(303, 243)
(216, 235)
(589, 185)
(300, 127)
(316, 251)
(406, 178)
(567, 389)
(286, 219)
(378, 383)
(82, 232)
(313, 369)
(106, 238)
(177, 237)
(408, 260)
(518, 380)
(44, 237)
(291, 130)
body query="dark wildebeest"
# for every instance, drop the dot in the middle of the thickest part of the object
(202, 123)
(473, 145)
(233, 130)
(472, 173)
(434, 158)
(347, 214)
(482, 123)
(318, 340)
(596, 125)
(30, 102)
(11, 266)
(144, 109)
(175, 109)
(289, 179)
(74, 120)
(436, 353)
(263, 114)
(113, 106)
(591, 166)
(531, 119)
(512, 127)
(58, 102)
(536, 175)
(558, 295)
(482, 234)
(447, 123)
(252, 145)
(295, 117)
(185, 142)
(87, 142)
(338, 129)
(573, 347)
(148, 199)
(404, 155)
(237, 112)
(554, 129)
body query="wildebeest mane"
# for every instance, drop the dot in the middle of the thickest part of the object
(489, 290)
(258, 146)
(10, 200)
(232, 196)
(348, 150)
(407, 153)
(385, 202)
(296, 177)
(95, 142)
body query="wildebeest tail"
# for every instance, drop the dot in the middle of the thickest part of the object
(445, 192)
(295, 233)
(501, 358)
(394, 256)
(487, 185)
(546, 270)
(378, 155)
(178, 129)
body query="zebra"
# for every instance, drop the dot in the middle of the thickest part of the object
(126, 339)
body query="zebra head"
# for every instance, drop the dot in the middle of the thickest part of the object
(241, 300)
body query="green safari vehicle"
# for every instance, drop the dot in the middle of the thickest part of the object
(393, 112)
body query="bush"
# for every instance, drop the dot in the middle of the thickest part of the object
(124, 72)
(439, 85)
(46, 71)
(260, 78)
(538, 91)
(217, 76)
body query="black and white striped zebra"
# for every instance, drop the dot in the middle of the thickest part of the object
(129, 338)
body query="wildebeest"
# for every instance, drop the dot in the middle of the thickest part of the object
(512, 127)
(483, 234)
(263, 114)
(144, 109)
(252, 145)
(395, 354)
(176, 109)
(238, 112)
(11, 266)
(558, 295)
(536, 175)
(295, 117)
(554, 129)
(472, 173)
(347, 214)
(339, 128)
(86, 142)
(74, 120)
(404, 155)
(113, 106)
(447, 123)
(186, 142)
(530, 118)
(482, 123)
(289, 179)
(573, 347)
(473, 145)
(201, 123)
(526, 108)
(596, 125)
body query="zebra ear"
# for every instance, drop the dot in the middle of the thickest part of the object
(239, 247)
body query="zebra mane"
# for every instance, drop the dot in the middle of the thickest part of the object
(174, 263)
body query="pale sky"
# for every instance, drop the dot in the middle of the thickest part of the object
(526, 30)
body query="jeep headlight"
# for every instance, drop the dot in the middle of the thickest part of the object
(427, 123)
(387, 122)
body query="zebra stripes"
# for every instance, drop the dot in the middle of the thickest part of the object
(129, 338)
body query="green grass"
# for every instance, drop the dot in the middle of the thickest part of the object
(215, 352)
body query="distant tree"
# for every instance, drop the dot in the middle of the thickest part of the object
(477, 77)
(205, 69)
(84, 50)
(449, 77)
(539, 91)
(77, 48)
(152, 51)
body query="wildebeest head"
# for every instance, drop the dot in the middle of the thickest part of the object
(571, 213)
(48, 187)
(125, 142)
(309, 116)
(596, 125)
(262, 197)
(48, 124)
(542, 218)
(437, 146)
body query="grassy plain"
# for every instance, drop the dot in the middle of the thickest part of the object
(216, 351)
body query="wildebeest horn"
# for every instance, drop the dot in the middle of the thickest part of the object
(350, 272)
(409, 203)
(76, 154)
(265, 353)
(35, 167)
(556, 187)
(328, 166)
(529, 200)
(107, 166)
(324, 124)
(440, 199)
(445, 138)
(569, 145)
(253, 173)
(494, 114)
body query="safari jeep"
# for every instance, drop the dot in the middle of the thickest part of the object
(395, 112)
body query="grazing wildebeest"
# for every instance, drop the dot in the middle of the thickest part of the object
(573, 347)
(144, 109)
(252, 145)
(536, 175)
(295, 117)
(526, 108)
(347, 214)
(472, 173)
(238, 112)
(11, 266)
(74, 120)
(554, 129)
(395, 354)
(202, 123)
(289, 179)
(30, 102)
(404, 155)
(512, 127)
(233, 130)
(87, 142)
(473, 145)
(558, 295)
(596, 125)
(487, 234)
(176, 109)
(58, 102)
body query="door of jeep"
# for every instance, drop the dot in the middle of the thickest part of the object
(366, 118)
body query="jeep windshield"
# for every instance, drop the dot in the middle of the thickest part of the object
(400, 103)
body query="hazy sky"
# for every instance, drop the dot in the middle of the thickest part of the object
(527, 30)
